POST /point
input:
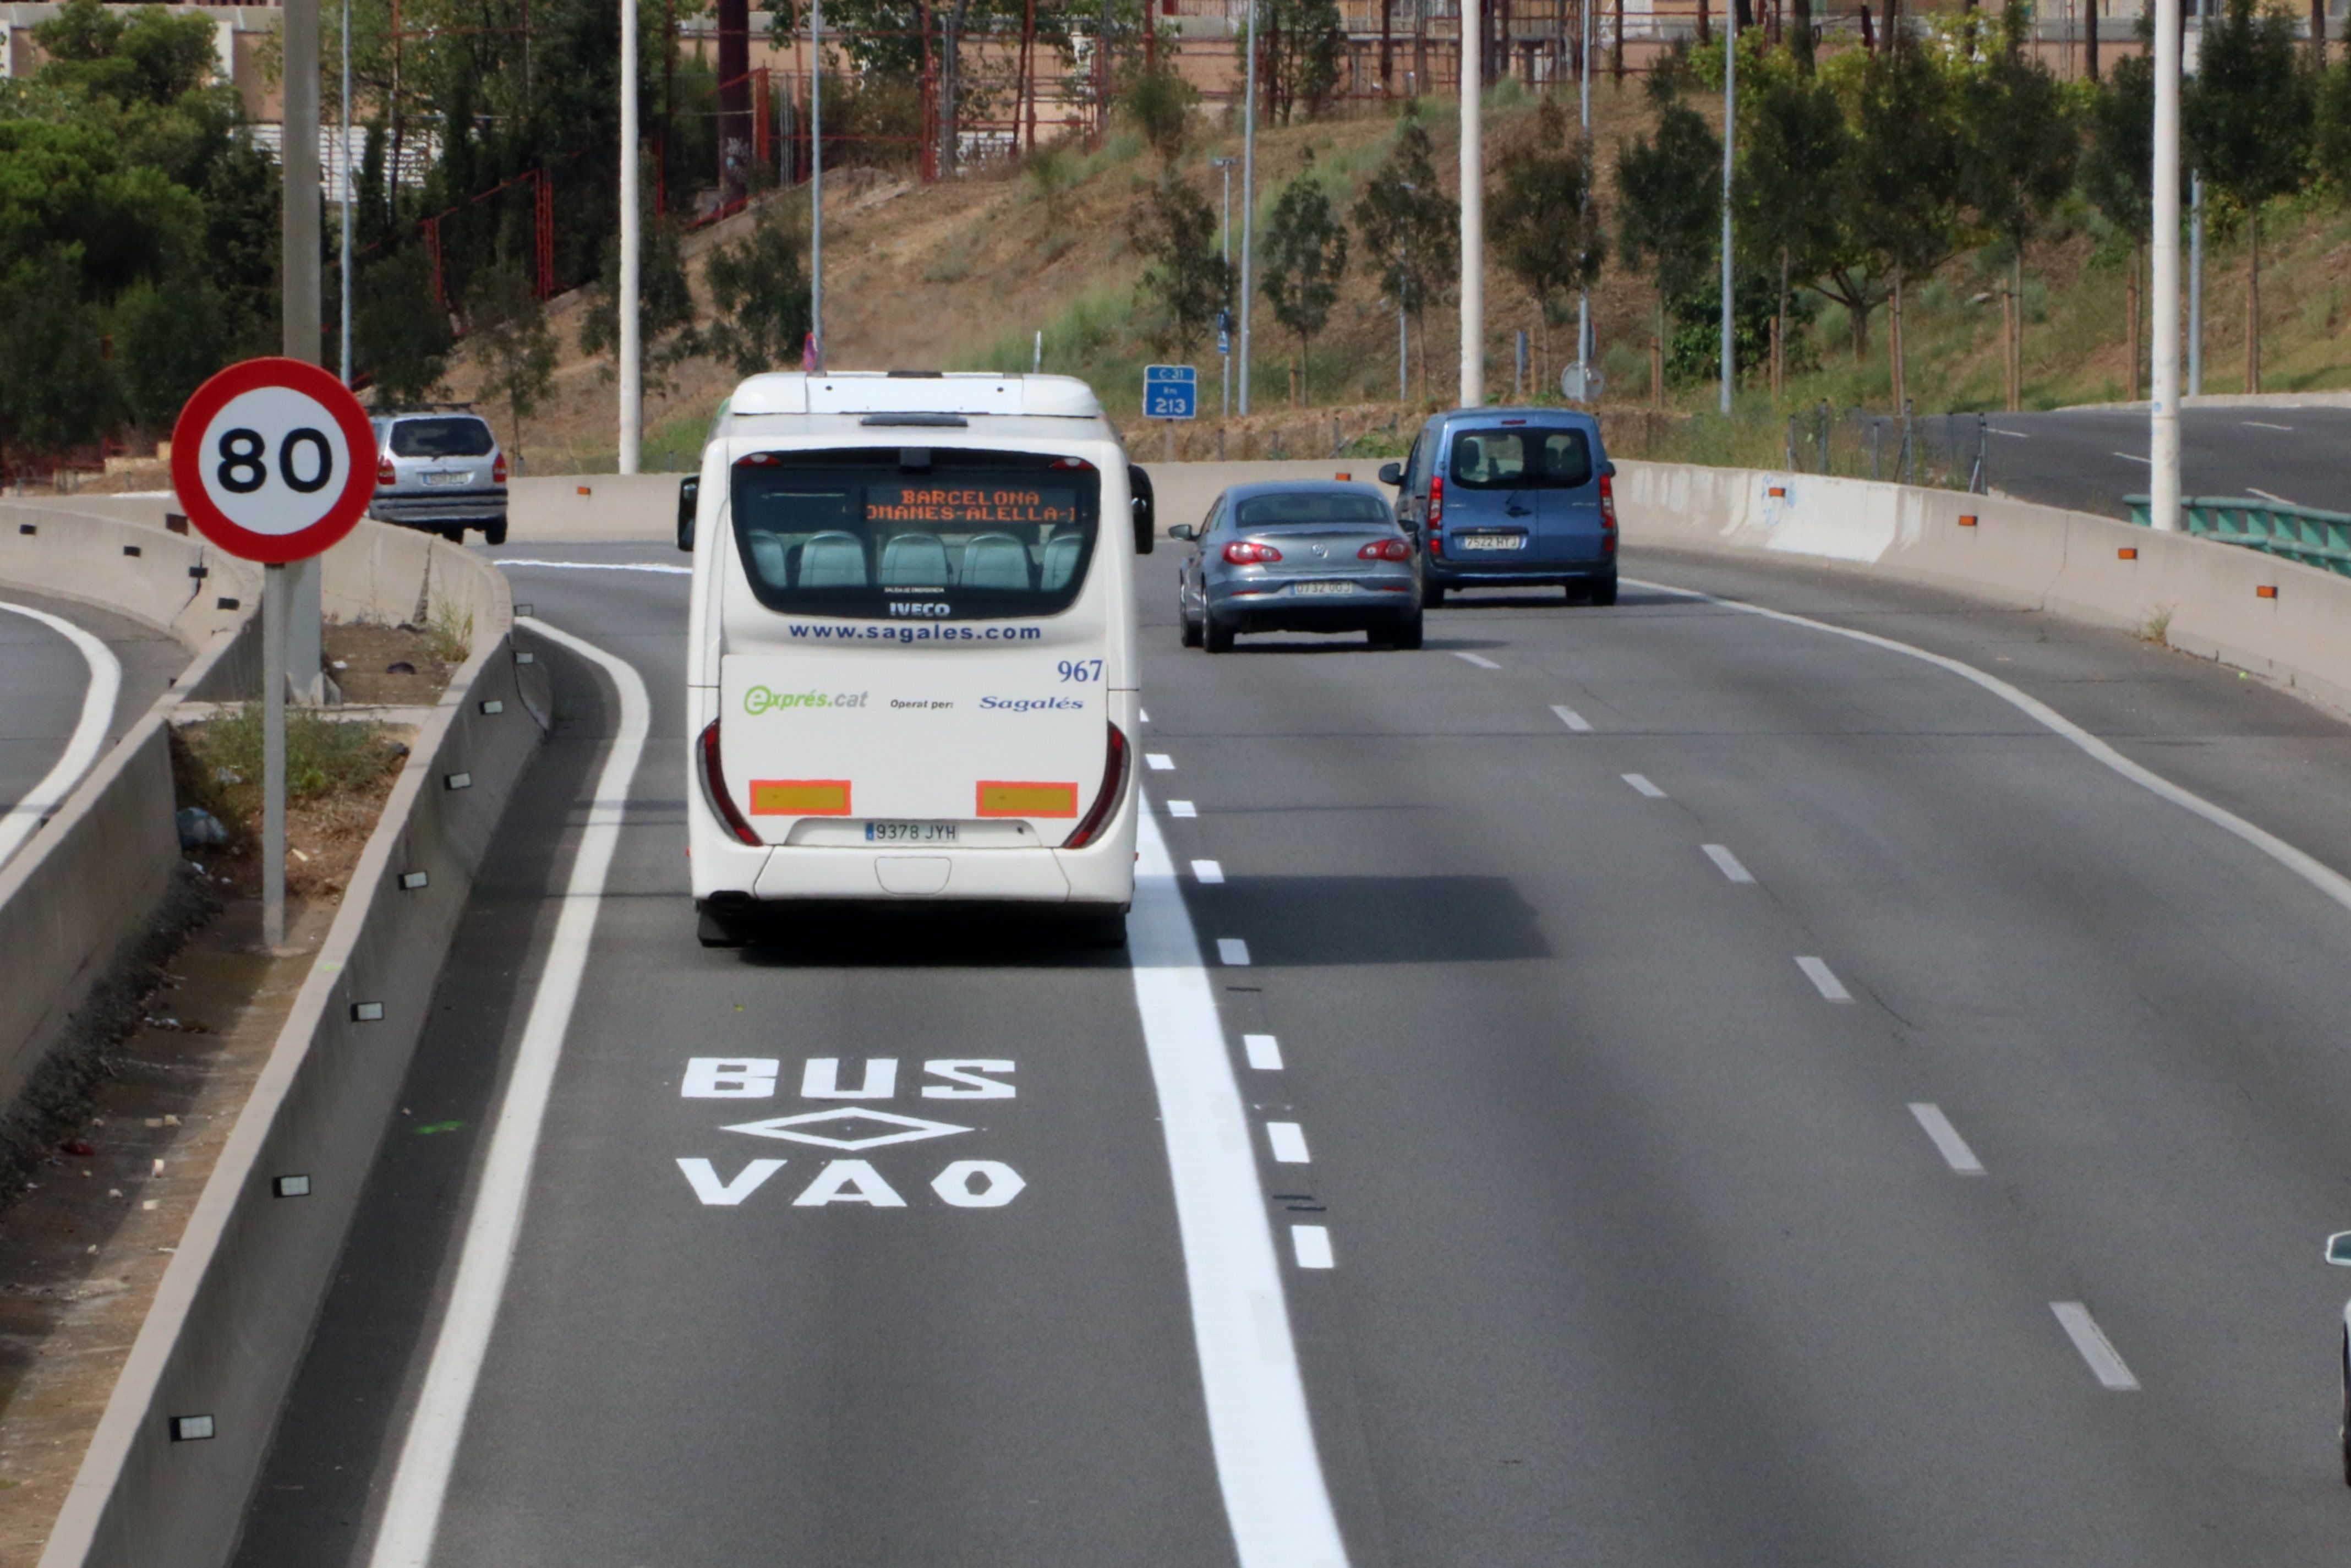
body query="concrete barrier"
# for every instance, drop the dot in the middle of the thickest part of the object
(132, 568)
(234, 1308)
(2197, 595)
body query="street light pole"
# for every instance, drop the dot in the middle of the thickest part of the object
(345, 149)
(2163, 415)
(1249, 200)
(1584, 155)
(1729, 129)
(1473, 204)
(816, 178)
(1225, 254)
(633, 390)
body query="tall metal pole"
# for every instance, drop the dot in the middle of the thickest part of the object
(632, 386)
(346, 146)
(1584, 155)
(2163, 416)
(816, 177)
(1473, 204)
(2195, 285)
(275, 603)
(296, 637)
(1729, 132)
(1224, 318)
(1248, 203)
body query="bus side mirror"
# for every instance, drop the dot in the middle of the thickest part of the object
(689, 496)
(1391, 472)
(2338, 1247)
(1145, 506)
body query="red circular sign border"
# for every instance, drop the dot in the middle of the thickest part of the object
(188, 458)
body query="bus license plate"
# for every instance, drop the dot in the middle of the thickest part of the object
(1490, 542)
(910, 832)
(1324, 588)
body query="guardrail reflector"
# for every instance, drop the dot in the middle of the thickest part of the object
(1967, 519)
(2127, 553)
(2266, 591)
(1004, 797)
(799, 797)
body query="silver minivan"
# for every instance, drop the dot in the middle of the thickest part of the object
(439, 469)
(1504, 497)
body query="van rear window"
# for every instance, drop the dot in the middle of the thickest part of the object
(937, 534)
(1521, 457)
(455, 435)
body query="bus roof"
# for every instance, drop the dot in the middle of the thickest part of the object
(915, 391)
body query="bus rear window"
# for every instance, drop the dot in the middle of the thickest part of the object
(933, 534)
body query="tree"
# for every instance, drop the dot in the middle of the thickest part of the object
(1669, 200)
(57, 391)
(759, 294)
(1540, 221)
(512, 342)
(1908, 163)
(2117, 173)
(1305, 256)
(2248, 119)
(169, 339)
(1158, 102)
(1794, 153)
(1176, 230)
(402, 333)
(1415, 229)
(1302, 44)
(2022, 147)
(2332, 140)
(664, 308)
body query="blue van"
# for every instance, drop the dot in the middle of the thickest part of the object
(1508, 498)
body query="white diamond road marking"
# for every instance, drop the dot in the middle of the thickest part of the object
(1573, 720)
(1726, 863)
(910, 1129)
(1182, 809)
(1208, 870)
(1311, 1245)
(1232, 950)
(1641, 785)
(1160, 761)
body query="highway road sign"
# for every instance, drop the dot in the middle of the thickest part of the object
(274, 460)
(1171, 392)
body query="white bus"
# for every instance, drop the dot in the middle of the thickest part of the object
(912, 670)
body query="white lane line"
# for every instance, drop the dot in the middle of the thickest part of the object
(88, 737)
(2264, 425)
(1288, 1141)
(2012, 435)
(1479, 659)
(1143, 714)
(2106, 1362)
(1208, 870)
(1726, 863)
(413, 1513)
(1824, 979)
(1182, 809)
(2270, 496)
(596, 565)
(1259, 1429)
(1160, 761)
(1573, 720)
(1310, 1245)
(1233, 951)
(2134, 458)
(1946, 1140)
(2331, 882)
(1641, 785)
(1264, 1051)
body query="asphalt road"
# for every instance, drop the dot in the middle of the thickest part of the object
(44, 679)
(1630, 1058)
(2089, 459)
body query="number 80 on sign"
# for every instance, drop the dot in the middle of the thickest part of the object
(273, 460)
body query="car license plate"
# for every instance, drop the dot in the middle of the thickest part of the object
(1490, 542)
(1324, 588)
(910, 832)
(447, 478)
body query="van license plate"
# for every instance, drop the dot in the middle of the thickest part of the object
(1490, 542)
(1324, 588)
(910, 832)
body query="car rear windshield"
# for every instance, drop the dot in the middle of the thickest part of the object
(938, 534)
(1521, 457)
(457, 436)
(1309, 506)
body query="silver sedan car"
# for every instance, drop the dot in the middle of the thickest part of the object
(1298, 555)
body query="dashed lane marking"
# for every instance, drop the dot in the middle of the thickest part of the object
(1479, 659)
(1232, 951)
(1573, 720)
(1208, 872)
(1824, 979)
(1288, 1141)
(1310, 1245)
(1160, 761)
(1182, 809)
(1264, 1051)
(1726, 863)
(1946, 1140)
(1641, 785)
(2106, 1363)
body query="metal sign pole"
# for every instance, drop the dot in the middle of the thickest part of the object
(274, 607)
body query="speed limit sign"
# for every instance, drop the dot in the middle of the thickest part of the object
(274, 460)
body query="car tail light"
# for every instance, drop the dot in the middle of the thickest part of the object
(1436, 500)
(383, 472)
(1106, 799)
(713, 788)
(1249, 552)
(498, 469)
(1384, 549)
(1608, 502)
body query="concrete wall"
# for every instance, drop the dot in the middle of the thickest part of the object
(2201, 595)
(85, 555)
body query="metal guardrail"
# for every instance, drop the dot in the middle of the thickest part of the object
(2302, 534)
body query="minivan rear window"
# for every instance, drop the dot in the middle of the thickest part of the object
(455, 435)
(937, 534)
(1521, 457)
(1310, 506)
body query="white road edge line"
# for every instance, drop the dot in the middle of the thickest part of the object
(2270, 496)
(88, 739)
(595, 565)
(412, 1514)
(1641, 785)
(2331, 882)
(1479, 659)
(1946, 1139)
(2106, 1363)
(1573, 720)
(1267, 1465)
(1264, 1051)
(1288, 1142)
(2133, 457)
(1726, 863)
(1824, 979)
(2265, 425)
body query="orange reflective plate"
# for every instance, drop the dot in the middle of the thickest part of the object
(799, 797)
(1001, 798)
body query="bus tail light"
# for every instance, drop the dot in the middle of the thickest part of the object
(1105, 806)
(714, 787)
(1384, 549)
(1249, 552)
